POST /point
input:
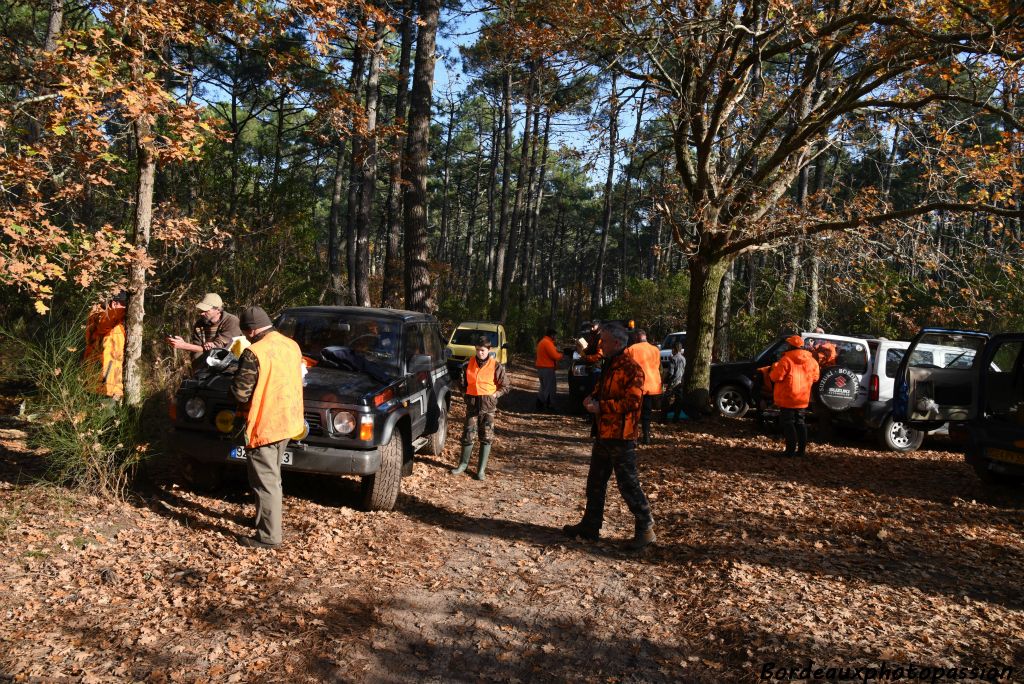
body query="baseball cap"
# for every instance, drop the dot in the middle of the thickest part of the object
(210, 301)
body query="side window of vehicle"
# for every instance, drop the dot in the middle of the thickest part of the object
(852, 355)
(1004, 383)
(893, 357)
(412, 341)
(431, 342)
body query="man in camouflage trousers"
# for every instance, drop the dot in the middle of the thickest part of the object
(616, 401)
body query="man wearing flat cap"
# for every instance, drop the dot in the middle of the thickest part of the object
(268, 386)
(214, 329)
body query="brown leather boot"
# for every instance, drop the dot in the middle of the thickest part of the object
(642, 537)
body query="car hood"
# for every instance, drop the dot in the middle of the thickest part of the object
(330, 385)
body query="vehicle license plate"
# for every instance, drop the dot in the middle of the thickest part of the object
(1005, 456)
(239, 455)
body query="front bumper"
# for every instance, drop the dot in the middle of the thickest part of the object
(305, 457)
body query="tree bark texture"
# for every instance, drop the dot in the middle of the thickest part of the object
(418, 296)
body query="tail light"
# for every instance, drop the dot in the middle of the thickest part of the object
(172, 408)
(873, 392)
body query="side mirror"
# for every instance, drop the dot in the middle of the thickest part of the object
(505, 345)
(420, 363)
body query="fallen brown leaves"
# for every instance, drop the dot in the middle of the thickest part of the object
(850, 557)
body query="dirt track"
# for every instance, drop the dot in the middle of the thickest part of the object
(851, 558)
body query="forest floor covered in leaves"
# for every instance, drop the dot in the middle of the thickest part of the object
(849, 558)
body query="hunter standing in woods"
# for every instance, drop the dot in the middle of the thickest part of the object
(214, 329)
(794, 375)
(648, 357)
(269, 384)
(616, 403)
(484, 380)
(104, 345)
(547, 360)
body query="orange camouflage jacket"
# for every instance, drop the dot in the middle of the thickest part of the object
(620, 393)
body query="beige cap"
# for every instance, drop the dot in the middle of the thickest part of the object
(210, 301)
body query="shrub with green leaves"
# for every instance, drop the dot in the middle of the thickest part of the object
(89, 441)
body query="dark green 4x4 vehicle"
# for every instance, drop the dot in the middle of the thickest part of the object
(376, 391)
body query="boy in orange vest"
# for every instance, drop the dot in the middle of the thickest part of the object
(104, 345)
(484, 380)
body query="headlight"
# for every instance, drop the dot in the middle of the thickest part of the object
(579, 370)
(343, 422)
(195, 408)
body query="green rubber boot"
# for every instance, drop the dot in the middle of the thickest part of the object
(485, 451)
(467, 452)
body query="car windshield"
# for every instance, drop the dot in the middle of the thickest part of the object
(469, 336)
(370, 339)
(671, 340)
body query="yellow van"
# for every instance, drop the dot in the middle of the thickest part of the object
(464, 337)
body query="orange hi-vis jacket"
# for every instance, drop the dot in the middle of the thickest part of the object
(547, 355)
(275, 409)
(647, 357)
(794, 375)
(104, 345)
(620, 394)
(480, 379)
(825, 354)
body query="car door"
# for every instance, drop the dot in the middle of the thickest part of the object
(418, 394)
(929, 394)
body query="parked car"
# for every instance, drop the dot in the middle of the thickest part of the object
(978, 388)
(733, 383)
(462, 343)
(376, 391)
(666, 346)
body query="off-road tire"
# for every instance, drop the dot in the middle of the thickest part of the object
(731, 401)
(436, 441)
(895, 435)
(200, 476)
(380, 490)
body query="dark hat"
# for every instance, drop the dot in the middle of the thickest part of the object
(120, 296)
(483, 341)
(253, 318)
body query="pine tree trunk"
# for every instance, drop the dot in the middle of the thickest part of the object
(418, 296)
(522, 185)
(391, 293)
(723, 316)
(334, 283)
(597, 296)
(369, 176)
(506, 175)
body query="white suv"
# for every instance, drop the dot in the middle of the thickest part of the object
(892, 433)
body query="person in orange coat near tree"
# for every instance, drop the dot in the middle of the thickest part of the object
(648, 357)
(547, 360)
(104, 345)
(794, 375)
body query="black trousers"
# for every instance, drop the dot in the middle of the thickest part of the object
(618, 456)
(794, 428)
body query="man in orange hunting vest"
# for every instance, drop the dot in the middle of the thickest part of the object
(547, 360)
(794, 375)
(648, 357)
(484, 380)
(104, 345)
(269, 383)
